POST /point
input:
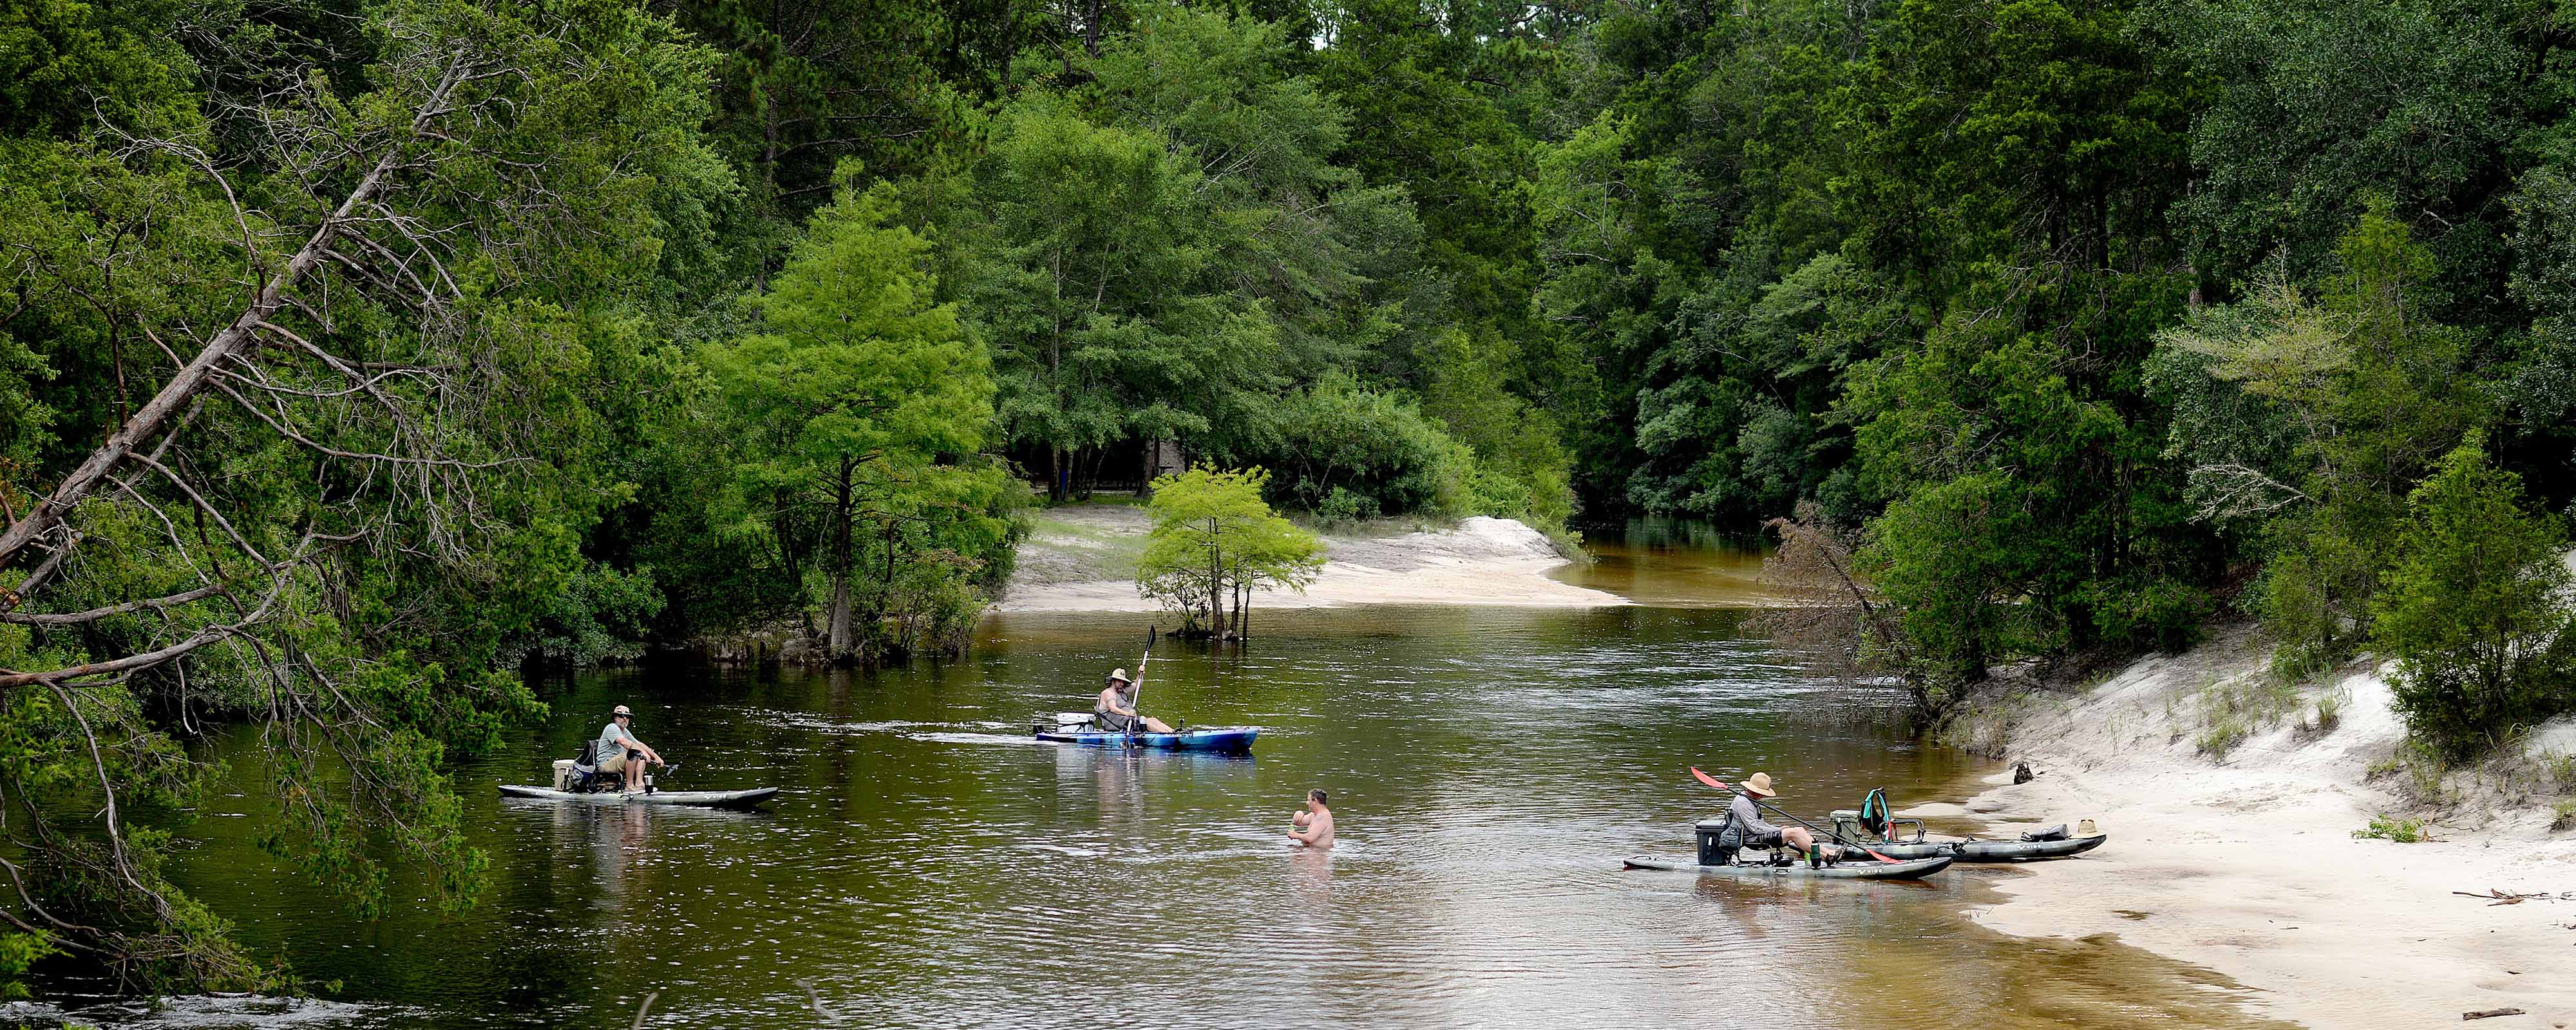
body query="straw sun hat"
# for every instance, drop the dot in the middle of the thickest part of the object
(1759, 783)
(1121, 676)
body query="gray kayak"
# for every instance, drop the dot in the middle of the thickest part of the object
(1985, 850)
(1865, 869)
(710, 798)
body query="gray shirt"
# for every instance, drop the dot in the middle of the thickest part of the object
(1748, 819)
(613, 740)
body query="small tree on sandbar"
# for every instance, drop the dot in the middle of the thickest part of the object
(1215, 541)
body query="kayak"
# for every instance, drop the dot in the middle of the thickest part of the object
(1861, 870)
(709, 798)
(1229, 739)
(1986, 850)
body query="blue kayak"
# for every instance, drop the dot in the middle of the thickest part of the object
(1230, 739)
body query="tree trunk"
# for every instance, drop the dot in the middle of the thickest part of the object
(1055, 474)
(1216, 586)
(837, 616)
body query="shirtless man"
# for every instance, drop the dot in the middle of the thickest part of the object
(1314, 826)
(1116, 709)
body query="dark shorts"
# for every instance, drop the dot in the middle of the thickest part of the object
(1114, 722)
(1770, 839)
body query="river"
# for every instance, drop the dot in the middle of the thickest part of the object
(929, 865)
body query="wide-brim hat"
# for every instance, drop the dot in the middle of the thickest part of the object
(1760, 783)
(1121, 676)
(619, 710)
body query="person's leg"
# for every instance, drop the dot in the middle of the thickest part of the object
(634, 773)
(1798, 837)
(1156, 725)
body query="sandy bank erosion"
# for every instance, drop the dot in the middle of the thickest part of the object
(1084, 559)
(2247, 865)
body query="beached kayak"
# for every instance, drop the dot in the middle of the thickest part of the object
(1986, 850)
(1233, 739)
(709, 798)
(1865, 869)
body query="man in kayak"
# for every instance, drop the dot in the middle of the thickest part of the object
(1116, 709)
(619, 751)
(1314, 826)
(1759, 834)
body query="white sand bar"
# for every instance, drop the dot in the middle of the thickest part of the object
(2248, 865)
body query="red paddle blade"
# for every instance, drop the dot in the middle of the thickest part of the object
(1721, 785)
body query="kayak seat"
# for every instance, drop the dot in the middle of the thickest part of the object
(585, 769)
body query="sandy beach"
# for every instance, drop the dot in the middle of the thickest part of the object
(1082, 559)
(2248, 866)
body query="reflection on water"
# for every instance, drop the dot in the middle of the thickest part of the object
(1673, 563)
(928, 866)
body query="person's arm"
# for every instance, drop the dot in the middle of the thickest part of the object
(1752, 819)
(638, 744)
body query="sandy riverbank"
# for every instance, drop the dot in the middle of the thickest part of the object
(1083, 559)
(2247, 865)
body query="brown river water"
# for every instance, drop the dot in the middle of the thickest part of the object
(929, 865)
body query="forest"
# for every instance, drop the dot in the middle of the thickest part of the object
(362, 353)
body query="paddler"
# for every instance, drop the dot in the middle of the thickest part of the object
(1759, 834)
(619, 749)
(1116, 709)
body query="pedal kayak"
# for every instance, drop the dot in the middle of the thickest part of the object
(1230, 739)
(1864, 869)
(707, 798)
(1986, 850)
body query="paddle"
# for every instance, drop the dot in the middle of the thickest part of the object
(1136, 700)
(1721, 785)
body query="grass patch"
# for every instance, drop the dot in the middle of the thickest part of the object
(2230, 711)
(2564, 813)
(2403, 831)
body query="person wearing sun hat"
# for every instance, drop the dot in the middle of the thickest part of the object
(1116, 709)
(1757, 833)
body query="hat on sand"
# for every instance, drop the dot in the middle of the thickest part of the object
(2086, 829)
(620, 710)
(1759, 783)
(1121, 676)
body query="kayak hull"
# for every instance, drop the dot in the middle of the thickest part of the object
(1988, 850)
(702, 798)
(1230, 740)
(1861, 870)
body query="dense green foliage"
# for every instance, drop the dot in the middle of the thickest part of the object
(356, 354)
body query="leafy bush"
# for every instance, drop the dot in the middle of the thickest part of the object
(2146, 613)
(2472, 608)
(601, 614)
(1344, 506)
(2563, 814)
(1337, 435)
(2402, 831)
